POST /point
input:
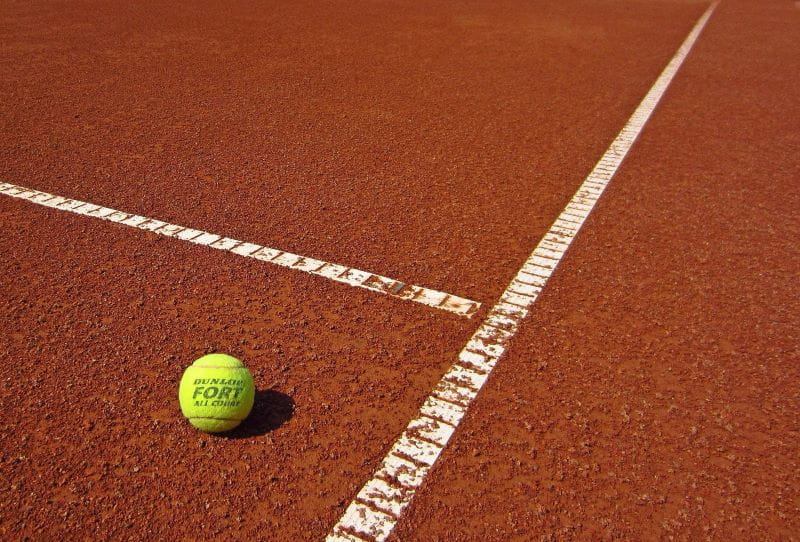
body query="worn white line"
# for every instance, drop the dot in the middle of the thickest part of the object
(339, 273)
(415, 452)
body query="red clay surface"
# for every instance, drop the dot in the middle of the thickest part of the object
(652, 393)
(428, 141)
(94, 343)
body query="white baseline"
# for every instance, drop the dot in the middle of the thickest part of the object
(339, 273)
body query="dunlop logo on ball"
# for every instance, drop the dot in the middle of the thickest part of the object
(218, 392)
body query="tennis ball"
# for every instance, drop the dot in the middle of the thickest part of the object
(216, 393)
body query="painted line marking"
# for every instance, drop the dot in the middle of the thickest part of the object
(416, 450)
(339, 273)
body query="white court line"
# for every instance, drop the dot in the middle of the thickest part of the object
(332, 271)
(378, 506)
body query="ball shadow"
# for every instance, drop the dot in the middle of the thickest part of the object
(271, 410)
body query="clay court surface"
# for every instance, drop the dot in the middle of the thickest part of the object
(651, 392)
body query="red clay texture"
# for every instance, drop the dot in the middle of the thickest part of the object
(654, 392)
(433, 142)
(94, 344)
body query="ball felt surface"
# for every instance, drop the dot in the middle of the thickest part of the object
(216, 393)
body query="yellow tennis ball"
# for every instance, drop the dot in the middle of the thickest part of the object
(216, 393)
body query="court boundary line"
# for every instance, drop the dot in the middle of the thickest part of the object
(336, 272)
(376, 508)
